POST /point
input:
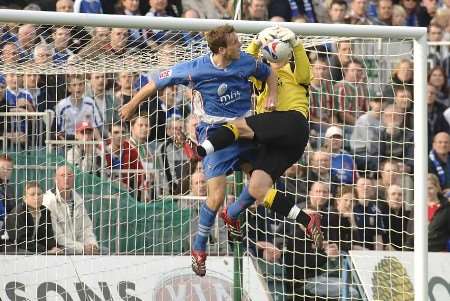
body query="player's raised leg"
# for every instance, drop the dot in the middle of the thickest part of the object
(272, 159)
(261, 128)
(224, 136)
(260, 188)
(284, 205)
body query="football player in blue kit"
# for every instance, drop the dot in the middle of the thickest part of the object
(221, 93)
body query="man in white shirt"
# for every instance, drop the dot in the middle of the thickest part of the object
(76, 108)
(365, 139)
(71, 222)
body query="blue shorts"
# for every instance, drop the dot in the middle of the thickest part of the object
(227, 160)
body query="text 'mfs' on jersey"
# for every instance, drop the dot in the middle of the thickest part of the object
(225, 93)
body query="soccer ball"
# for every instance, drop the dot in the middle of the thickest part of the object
(276, 51)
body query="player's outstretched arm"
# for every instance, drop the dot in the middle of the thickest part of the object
(127, 111)
(302, 70)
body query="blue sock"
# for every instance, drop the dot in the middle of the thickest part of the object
(244, 201)
(206, 220)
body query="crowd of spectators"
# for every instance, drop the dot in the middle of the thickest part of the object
(357, 171)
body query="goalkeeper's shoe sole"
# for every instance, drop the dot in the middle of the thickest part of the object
(233, 225)
(199, 263)
(313, 230)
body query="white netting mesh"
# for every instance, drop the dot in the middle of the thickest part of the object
(131, 175)
(91, 49)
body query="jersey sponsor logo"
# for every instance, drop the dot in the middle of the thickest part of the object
(227, 98)
(165, 74)
(222, 89)
(230, 97)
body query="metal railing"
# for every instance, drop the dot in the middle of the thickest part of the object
(33, 118)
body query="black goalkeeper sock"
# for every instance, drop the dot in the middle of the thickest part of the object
(219, 139)
(285, 205)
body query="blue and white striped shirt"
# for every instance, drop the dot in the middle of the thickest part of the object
(68, 115)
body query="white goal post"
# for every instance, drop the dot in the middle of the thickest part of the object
(418, 35)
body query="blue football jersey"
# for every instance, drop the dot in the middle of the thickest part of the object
(12, 97)
(61, 57)
(219, 94)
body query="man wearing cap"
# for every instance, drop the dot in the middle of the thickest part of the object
(366, 135)
(86, 156)
(342, 166)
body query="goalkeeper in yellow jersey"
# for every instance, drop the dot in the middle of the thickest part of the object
(281, 132)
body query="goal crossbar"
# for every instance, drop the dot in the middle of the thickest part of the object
(188, 24)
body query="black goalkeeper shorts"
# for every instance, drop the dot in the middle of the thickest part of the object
(281, 137)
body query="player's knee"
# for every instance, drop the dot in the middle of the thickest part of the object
(239, 123)
(215, 200)
(257, 191)
(260, 183)
(244, 130)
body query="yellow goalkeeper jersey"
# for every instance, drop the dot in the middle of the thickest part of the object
(293, 85)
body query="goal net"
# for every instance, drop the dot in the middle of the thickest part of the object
(126, 231)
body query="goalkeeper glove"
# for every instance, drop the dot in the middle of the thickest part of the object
(287, 35)
(265, 36)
